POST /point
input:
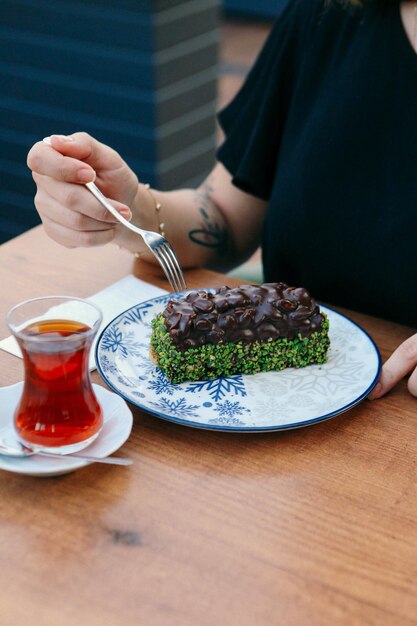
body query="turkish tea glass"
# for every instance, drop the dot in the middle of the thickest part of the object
(58, 410)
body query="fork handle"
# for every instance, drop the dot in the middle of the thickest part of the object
(107, 205)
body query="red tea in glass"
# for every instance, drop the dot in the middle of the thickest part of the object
(58, 409)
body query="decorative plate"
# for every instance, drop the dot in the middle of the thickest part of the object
(117, 424)
(257, 403)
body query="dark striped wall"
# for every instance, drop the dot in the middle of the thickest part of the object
(137, 74)
(261, 9)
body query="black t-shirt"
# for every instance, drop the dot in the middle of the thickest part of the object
(325, 129)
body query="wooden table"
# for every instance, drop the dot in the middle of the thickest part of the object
(308, 527)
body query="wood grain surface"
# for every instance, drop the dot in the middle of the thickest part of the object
(315, 526)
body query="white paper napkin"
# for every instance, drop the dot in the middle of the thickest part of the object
(113, 300)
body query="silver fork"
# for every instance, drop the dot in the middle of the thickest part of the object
(158, 245)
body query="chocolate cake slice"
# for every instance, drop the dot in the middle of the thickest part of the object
(246, 329)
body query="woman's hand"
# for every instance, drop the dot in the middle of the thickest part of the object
(70, 213)
(216, 224)
(401, 362)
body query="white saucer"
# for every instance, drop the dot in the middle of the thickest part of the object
(116, 429)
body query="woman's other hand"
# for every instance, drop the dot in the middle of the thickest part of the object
(69, 212)
(401, 362)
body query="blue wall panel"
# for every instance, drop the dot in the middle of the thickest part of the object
(137, 74)
(82, 22)
(263, 9)
(78, 60)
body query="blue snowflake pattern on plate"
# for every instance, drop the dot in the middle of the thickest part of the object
(114, 340)
(217, 388)
(107, 365)
(178, 408)
(228, 414)
(138, 313)
(160, 384)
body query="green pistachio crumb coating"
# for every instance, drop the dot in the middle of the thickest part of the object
(226, 359)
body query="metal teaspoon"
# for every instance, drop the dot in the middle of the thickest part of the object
(18, 449)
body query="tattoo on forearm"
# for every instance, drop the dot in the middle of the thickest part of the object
(210, 233)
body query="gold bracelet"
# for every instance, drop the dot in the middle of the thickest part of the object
(157, 206)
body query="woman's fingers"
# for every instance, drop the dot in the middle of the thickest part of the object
(402, 361)
(74, 220)
(72, 158)
(84, 147)
(44, 159)
(68, 204)
(412, 383)
(79, 158)
(77, 239)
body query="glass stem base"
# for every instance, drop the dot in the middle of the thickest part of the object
(75, 447)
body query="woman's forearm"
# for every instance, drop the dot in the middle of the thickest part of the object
(191, 221)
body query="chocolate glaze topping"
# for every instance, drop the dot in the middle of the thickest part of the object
(246, 313)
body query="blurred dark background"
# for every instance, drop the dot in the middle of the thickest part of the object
(145, 76)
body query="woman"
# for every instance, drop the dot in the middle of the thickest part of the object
(318, 164)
